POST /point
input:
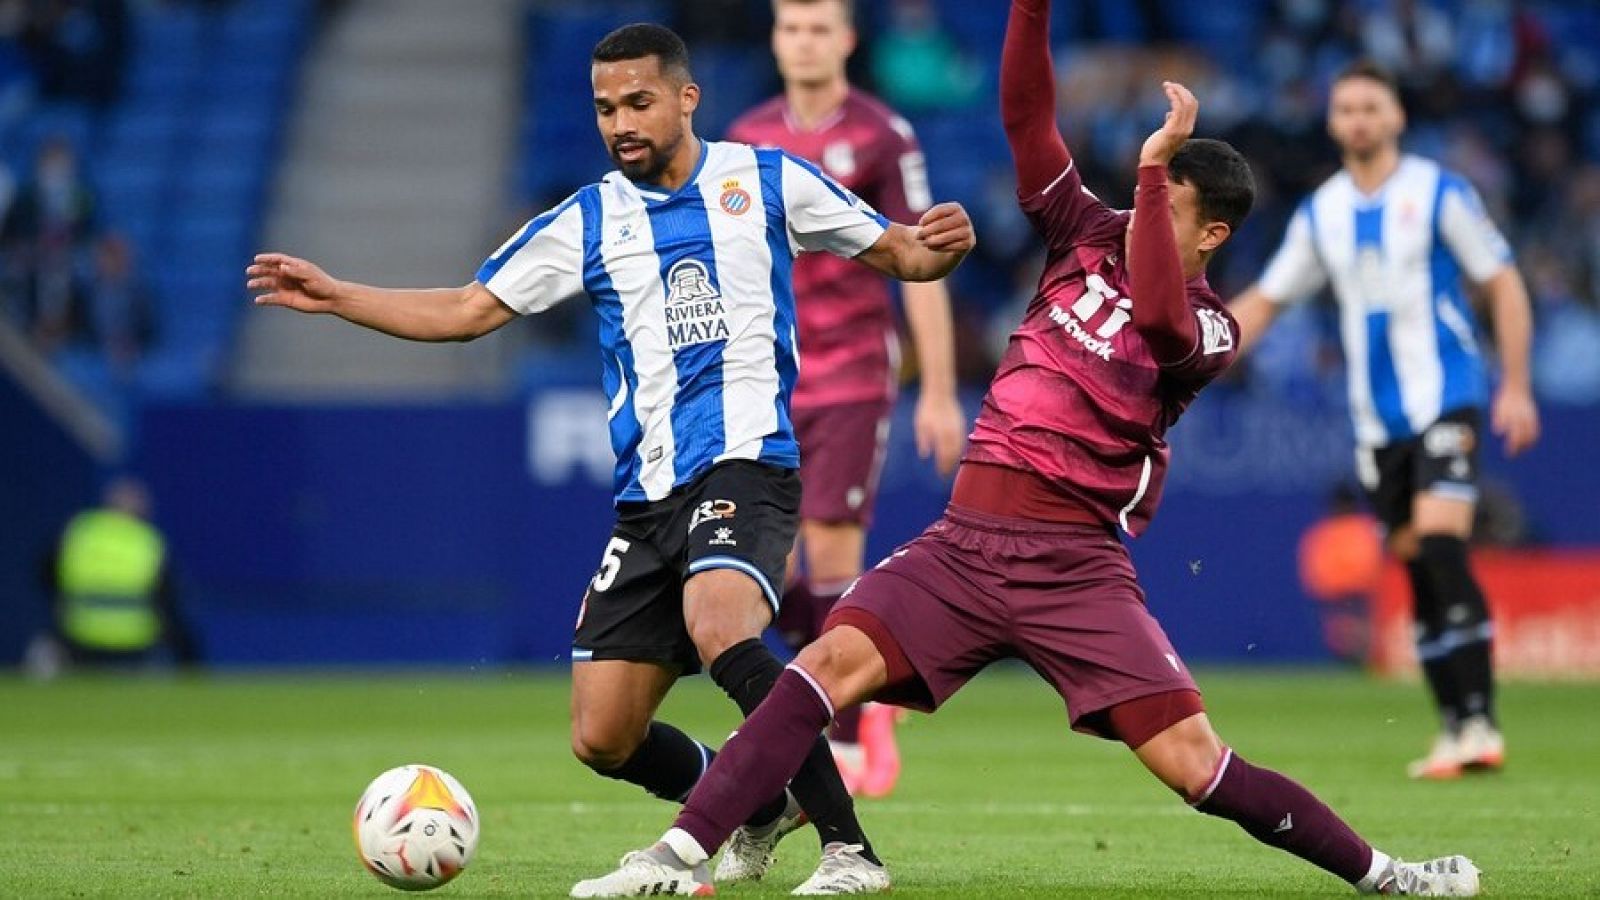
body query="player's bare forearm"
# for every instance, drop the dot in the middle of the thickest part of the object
(1513, 324)
(1028, 98)
(1513, 415)
(1255, 312)
(927, 307)
(435, 314)
(927, 252)
(940, 423)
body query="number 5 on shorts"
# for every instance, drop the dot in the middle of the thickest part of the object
(610, 563)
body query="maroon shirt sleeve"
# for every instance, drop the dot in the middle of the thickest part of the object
(1048, 185)
(1155, 273)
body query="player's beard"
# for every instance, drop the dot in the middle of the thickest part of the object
(655, 159)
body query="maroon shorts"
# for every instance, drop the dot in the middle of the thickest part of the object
(841, 455)
(975, 588)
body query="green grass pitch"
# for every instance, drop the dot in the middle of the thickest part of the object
(243, 786)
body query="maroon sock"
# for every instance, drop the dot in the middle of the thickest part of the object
(757, 761)
(1280, 813)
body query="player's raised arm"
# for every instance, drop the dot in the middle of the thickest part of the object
(1161, 310)
(1028, 98)
(439, 314)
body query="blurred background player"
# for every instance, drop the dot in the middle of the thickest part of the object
(1394, 233)
(850, 350)
(684, 252)
(115, 601)
(1122, 335)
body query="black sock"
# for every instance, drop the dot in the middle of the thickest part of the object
(669, 762)
(1437, 667)
(1465, 619)
(746, 672)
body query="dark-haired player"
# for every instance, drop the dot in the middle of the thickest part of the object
(847, 385)
(1393, 234)
(1122, 335)
(684, 253)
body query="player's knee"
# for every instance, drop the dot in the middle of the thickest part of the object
(601, 749)
(1185, 756)
(714, 637)
(840, 665)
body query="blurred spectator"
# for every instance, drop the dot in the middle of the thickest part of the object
(78, 48)
(120, 309)
(45, 237)
(917, 65)
(114, 599)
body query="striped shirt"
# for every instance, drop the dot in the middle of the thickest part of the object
(697, 314)
(1395, 260)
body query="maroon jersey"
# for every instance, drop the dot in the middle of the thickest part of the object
(1078, 399)
(848, 344)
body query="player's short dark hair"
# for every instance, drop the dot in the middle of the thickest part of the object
(1371, 71)
(1219, 175)
(643, 39)
(849, 6)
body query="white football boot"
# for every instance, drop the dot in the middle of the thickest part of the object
(1442, 763)
(655, 871)
(844, 870)
(1447, 876)
(751, 852)
(1481, 747)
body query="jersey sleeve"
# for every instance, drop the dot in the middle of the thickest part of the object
(1217, 345)
(1468, 231)
(1066, 211)
(823, 216)
(900, 190)
(542, 264)
(1295, 271)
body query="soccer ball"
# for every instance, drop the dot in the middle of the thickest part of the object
(416, 827)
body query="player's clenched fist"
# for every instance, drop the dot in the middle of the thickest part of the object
(280, 280)
(947, 228)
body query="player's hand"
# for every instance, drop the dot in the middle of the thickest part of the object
(1159, 148)
(280, 280)
(947, 228)
(1515, 418)
(941, 428)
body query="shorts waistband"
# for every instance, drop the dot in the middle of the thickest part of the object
(1010, 494)
(997, 524)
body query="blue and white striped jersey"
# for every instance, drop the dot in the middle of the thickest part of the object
(1395, 260)
(697, 316)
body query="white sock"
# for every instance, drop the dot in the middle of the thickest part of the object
(687, 848)
(1369, 884)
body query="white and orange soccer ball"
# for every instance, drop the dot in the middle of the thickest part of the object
(416, 827)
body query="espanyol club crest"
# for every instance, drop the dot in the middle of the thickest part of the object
(735, 200)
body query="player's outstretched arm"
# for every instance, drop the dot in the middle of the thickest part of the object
(438, 314)
(1028, 98)
(1514, 415)
(1161, 310)
(927, 252)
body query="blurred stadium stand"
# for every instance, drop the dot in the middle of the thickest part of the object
(335, 129)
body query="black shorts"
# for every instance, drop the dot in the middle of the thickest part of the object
(1442, 460)
(739, 515)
